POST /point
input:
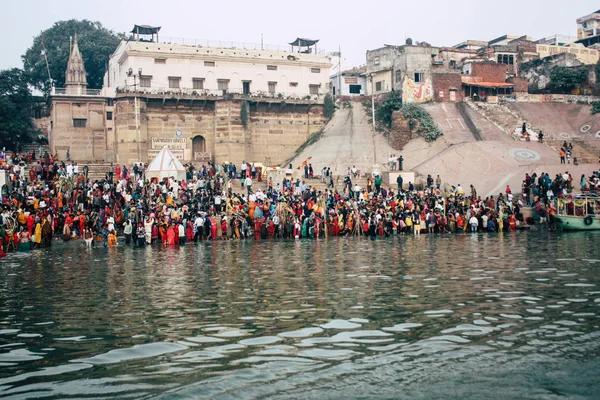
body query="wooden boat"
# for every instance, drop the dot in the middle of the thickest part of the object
(578, 214)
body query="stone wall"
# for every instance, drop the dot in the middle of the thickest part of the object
(400, 133)
(275, 129)
(84, 143)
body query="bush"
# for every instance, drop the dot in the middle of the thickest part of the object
(385, 110)
(328, 106)
(244, 114)
(426, 127)
(595, 107)
(566, 79)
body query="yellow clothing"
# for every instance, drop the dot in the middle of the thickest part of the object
(37, 238)
(112, 239)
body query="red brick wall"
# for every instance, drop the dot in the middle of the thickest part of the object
(489, 72)
(521, 84)
(442, 82)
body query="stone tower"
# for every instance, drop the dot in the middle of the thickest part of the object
(75, 79)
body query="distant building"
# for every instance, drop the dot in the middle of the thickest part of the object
(588, 29)
(380, 66)
(471, 45)
(352, 82)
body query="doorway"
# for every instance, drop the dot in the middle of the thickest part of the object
(246, 87)
(198, 144)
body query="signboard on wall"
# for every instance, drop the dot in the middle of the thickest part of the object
(171, 143)
(351, 80)
(178, 153)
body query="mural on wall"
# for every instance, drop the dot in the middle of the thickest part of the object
(417, 92)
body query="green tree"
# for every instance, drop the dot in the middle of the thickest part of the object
(384, 111)
(566, 79)
(16, 124)
(328, 106)
(96, 44)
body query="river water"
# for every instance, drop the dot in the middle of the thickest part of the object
(458, 316)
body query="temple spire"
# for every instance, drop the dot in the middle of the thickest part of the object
(75, 78)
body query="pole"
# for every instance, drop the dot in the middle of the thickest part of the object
(340, 70)
(373, 99)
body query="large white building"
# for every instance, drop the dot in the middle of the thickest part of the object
(154, 67)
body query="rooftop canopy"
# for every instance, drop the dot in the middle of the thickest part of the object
(145, 29)
(302, 42)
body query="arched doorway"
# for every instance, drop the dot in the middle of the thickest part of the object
(199, 148)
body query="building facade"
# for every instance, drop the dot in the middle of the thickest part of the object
(380, 66)
(190, 99)
(352, 82)
(175, 68)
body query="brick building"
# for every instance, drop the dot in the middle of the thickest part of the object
(447, 85)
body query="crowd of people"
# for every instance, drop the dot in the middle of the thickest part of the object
(49, 199)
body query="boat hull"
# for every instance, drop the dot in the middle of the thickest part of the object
(574, 223)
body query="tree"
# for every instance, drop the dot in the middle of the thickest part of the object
(328, 106)
(96, 44)
(393, 102)
(16, 124)
(566, 79)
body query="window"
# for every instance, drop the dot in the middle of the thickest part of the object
(506, 59)
(313, 89)
(145, 81)
(441, 94)
(109, 115)
(79, 122)
(209, 63)
(174, 82)
(293, 84)
(315, 70)
(452, 64)
(272, 67)
(354, 89)
(378, 86)
(398, 76)
(160, 61)
(376, 60)
(272, 87)
(419, 77)
(223, 84)
(198, 83)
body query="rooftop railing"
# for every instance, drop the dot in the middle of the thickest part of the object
(76, 92)
(224, 44)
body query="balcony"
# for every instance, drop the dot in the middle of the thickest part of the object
(76, 92)
(221, 94)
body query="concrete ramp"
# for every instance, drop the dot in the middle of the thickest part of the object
(348, 140)
(561, 121)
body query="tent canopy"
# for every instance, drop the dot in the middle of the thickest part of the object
(145, 29)
(165, 165)
(303, 42)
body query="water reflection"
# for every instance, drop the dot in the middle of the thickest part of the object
(311, 319)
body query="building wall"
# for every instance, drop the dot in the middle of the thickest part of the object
(346, 80)
(275, 130)
(445, 82)
(292, 73)
(586, 56)
(521, 84)
(84, 143)
(489, 71)
(385, 77)
(414, 60)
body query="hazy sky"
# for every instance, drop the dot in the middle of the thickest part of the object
(353, 25)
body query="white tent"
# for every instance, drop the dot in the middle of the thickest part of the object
(165, 165)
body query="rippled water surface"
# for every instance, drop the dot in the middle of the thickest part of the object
(475, 317)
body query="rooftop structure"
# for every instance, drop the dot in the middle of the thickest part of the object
(588, 29)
